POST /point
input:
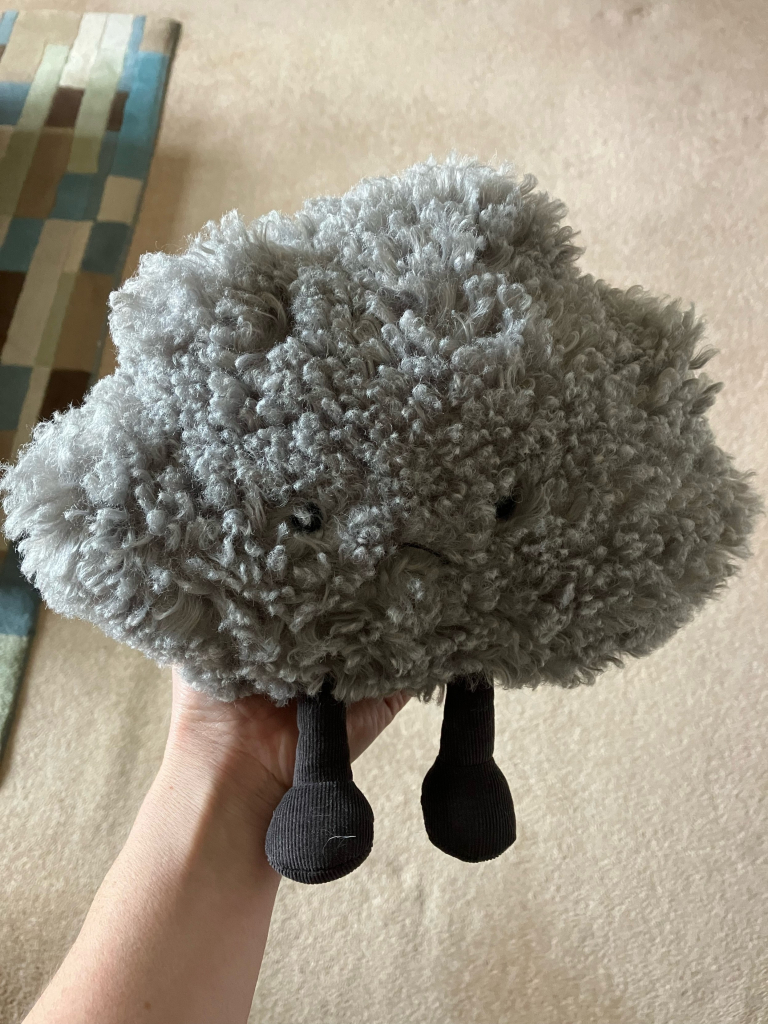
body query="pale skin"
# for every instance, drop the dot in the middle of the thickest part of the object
(176, 932)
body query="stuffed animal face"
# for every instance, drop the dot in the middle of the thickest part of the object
(397, 438)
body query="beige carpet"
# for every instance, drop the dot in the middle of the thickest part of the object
(636, 890)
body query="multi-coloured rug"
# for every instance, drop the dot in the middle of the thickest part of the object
(80, 102)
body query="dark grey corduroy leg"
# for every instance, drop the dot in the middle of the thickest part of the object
(323, 827)
(467, 806)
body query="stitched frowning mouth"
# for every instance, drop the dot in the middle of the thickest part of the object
(422, 547)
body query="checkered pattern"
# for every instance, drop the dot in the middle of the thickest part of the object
(80, 101)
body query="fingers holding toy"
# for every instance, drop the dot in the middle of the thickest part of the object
(255, 739)
(368, 718)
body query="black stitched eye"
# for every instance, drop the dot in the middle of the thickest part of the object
(307, 519)
(505, 508)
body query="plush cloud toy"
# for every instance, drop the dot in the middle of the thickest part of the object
(395, 441)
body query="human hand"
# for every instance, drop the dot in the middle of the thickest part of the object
(178, 928)
(252, 742)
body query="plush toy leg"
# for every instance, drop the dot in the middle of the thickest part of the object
(467, 805)
(323, 827)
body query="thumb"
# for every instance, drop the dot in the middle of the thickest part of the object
(367, 718)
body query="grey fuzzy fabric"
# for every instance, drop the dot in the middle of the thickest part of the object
(397, 437)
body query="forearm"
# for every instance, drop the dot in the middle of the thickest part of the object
(178, 928)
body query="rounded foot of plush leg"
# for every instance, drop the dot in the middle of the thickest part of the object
(323, 827)
(468, 810)
(320, 832)
(467, 805)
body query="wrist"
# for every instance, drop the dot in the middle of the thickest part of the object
(211, 830)
(208, 773)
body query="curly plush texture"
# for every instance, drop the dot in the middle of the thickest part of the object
(396, 437)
